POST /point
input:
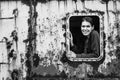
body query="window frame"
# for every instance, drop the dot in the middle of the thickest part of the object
(101, 31)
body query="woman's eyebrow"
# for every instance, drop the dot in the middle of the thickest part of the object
(85, 25)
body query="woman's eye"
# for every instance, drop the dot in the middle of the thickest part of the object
(87, 26)
(83, 26)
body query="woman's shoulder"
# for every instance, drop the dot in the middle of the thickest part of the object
(94, 32)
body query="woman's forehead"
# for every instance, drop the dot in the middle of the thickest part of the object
(86, 23)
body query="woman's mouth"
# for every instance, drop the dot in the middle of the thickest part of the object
(85, 32)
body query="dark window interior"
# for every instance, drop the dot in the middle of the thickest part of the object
(75, 24)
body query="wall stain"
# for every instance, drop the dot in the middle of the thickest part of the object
(50, 42)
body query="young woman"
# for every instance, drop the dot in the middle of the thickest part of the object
(92, 41)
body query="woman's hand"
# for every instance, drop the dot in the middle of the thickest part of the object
(71, 54)
(70, 37)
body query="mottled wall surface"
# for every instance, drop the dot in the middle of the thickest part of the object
(50, 37)
(7, 26)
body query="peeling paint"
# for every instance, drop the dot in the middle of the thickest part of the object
(42, 26)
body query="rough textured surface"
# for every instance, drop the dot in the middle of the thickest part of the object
(43, 49)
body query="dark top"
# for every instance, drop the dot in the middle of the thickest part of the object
(91, 46)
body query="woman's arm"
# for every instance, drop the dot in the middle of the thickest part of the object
(95, 44)
(95, 47)
(73, 47)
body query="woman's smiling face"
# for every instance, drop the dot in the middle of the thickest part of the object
(86, 28)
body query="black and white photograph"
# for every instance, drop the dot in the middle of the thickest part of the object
(59, 39)
(85, 37)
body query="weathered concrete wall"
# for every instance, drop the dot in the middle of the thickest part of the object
(50, 35)
(7, 26)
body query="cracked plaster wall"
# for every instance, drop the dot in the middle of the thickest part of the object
(50, 32)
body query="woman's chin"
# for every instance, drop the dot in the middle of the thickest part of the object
(85, 34)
